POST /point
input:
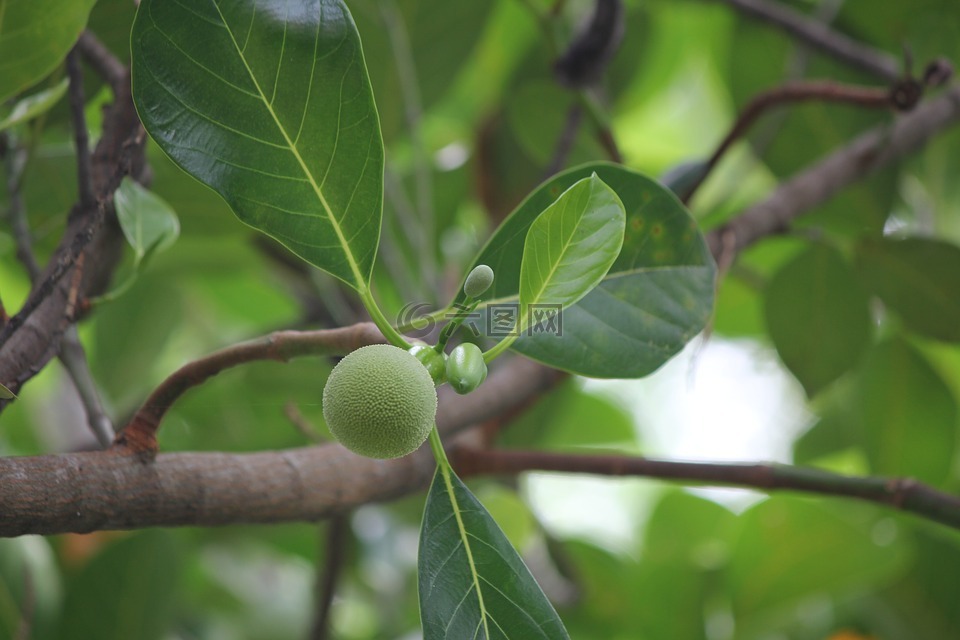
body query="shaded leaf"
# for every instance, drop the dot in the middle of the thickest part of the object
(570, 246)
(6, 394)
(908, 414)
(818, 316)
(472, 582)
(35, 36)
(148, 223)
(919, 278)
(656, 297)
(33, 105)
(269, 104)
(127, 591)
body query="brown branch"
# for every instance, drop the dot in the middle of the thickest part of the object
(904, 494)
(16, 162)
(84, 492)
(794, 93)
(338, 534)
(103, 62)
(822, 37)
(80, 135)
(565, 142)
(140, 435)
(819, 182)
(73, 357)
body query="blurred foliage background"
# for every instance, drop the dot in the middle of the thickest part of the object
(471, 116)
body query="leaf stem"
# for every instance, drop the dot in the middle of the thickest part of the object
(436, 445)
(463, 310)
(393, 336)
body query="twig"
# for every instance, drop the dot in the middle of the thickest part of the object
(27, 609)
(335, 552)
(74, 360)
(565, 142)
(103, 62)
(847, 165)
(139, 436)
(306, 428)
(904, 494)
(797, 92)
(80, 134)
(16, 162)
(822, 37)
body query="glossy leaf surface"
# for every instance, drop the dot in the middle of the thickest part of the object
(35, 35)
(269, 104)
(570, 246)
(656, 297)
(472, 582)
(818, 316)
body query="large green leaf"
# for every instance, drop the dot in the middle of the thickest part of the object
(908, 414)
(919, 278)
(269, 104)
(818, 316)
(656, 297)
(33, 105)
(35, 35)
(472, 582)
(570, 246)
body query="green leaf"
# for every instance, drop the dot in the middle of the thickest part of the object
(472, 582)
(908, 414)
(34, 105)
(919, 278)
(35, 36)
(148, 223)
(269, 104)
(6, 394)
(790, 549)
(656, 297)
(127, 591)
(570, 246)
(818, 316)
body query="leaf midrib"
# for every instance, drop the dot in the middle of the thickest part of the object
(354, 267)
(445, 472)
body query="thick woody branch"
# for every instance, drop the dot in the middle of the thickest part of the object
(821, 37)
(904, 494)
(821, 181)
(110, 490)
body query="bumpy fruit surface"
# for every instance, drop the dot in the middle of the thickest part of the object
(435, 362)
(380, 402)
(478, 281)
(466, 368)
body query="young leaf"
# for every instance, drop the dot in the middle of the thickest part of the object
(269, 104)
(35, 35)
(33, 105)
(148, 223)
(6, 394)
(473, 584)
(570, 247)
(656, 297)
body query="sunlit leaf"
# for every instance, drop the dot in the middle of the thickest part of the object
(656, 297)
(148, 223)
(818, 316)
(269, 104)
(33, 105)
(35, 35)
(919, 278)
(472, 582)
(570, 247)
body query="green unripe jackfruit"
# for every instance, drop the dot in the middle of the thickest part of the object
(380, 402)
(466, 368)
(478, 281)
(433, 360)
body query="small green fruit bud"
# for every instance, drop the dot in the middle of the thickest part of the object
(434, 361)
(466, 369)
(478, 281)
(380, 402)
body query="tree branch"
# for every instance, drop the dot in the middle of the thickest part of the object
(822, 37)
(819, 182)
(904, 494)
(140, 435)
(103, 62)
(338, 534)
(84, 492)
